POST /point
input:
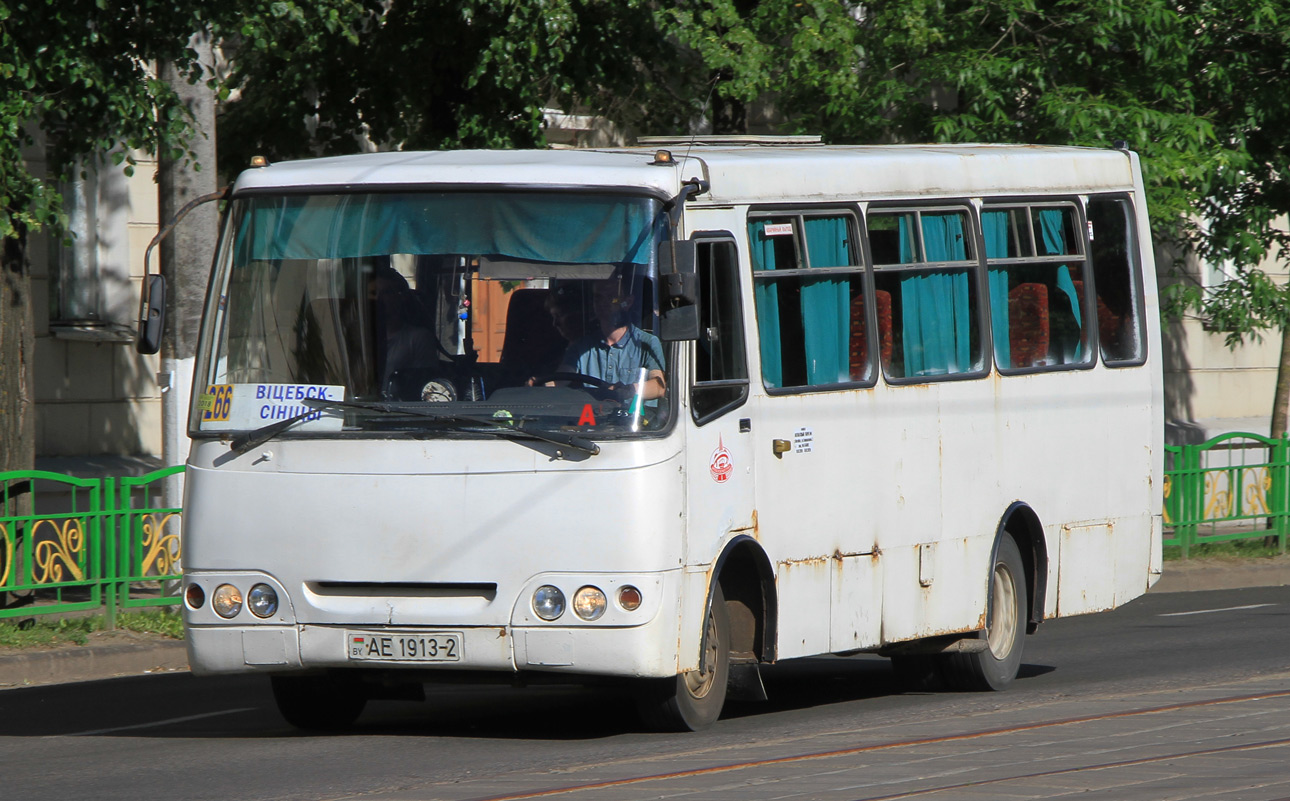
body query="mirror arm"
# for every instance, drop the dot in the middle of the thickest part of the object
(152, 299)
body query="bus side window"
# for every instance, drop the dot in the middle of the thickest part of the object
(1113, 249)
(809, 290)
(1036, 284)
(720, 365)
(925, 276)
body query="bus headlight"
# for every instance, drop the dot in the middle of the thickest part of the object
(589, 603)
(227, 600)
(548, 602)
(262, 601)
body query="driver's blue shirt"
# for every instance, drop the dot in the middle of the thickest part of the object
(619, 363)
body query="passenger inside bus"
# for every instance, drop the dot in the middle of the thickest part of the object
(402, 341)
(566, 314)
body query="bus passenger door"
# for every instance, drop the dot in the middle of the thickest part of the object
(819, 486)
(718, 442)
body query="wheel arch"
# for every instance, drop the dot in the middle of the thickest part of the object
(748, 582)
(1022, 524)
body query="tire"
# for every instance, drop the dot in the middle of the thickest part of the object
(318, 703)
(693, 701)
(1005, 627)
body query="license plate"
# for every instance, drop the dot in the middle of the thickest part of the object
(425, 646)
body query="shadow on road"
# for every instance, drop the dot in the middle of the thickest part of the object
(185, 706)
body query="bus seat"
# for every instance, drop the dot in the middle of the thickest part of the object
(859, 341)
(1028, 324)
(1109, 324)
(532, 346)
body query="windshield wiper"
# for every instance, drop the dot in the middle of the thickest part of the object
(245, 442)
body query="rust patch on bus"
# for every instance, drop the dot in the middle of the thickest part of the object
(839, 555)
(810, 561)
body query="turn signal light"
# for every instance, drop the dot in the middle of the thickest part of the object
(629, 598)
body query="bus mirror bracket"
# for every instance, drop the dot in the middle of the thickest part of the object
(680, 290)
(152, 301)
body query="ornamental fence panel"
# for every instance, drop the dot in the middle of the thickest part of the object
(1232, 487)
(69, 544)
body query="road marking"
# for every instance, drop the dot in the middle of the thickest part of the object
(167, 722)
(1211, 611)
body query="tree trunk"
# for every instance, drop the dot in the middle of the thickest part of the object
(17, 349)
(185, 258)
(1280, 414)
(17, 407)
(1281, 399)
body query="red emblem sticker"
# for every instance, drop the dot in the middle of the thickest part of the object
(721, 465)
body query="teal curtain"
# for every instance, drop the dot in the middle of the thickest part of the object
(568, 228)
(935, 306)
(1054, 244)
(826, 303)
(994, 224)
(766, 296)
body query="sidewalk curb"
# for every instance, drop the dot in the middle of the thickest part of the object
(88, 663)
(1184, 576)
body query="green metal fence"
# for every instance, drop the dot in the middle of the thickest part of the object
(1232, 487)
(69, 544)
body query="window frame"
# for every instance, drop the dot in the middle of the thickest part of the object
(1088, 312)
(802, 211)
(975, 265)
(721, 237)
(1133, 247)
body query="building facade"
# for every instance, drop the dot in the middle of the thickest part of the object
(95, 396)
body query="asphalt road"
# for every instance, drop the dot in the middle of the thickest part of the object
(176, 736)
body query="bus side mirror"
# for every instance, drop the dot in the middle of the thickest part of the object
(680, 290)
(152, 315)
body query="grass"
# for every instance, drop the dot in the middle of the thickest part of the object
(47, 632)
(1253, 548)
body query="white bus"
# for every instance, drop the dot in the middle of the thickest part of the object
(663, 415)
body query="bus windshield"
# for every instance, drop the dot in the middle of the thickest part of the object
(536, 310)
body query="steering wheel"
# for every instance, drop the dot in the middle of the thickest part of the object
(581, 378)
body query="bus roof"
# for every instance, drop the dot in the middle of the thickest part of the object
(457, 168)
(736, 173)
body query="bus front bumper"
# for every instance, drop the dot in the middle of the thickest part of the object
(643, 651)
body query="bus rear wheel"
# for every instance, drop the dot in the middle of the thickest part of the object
(1005, 627)
(693, 701)
(324, 702)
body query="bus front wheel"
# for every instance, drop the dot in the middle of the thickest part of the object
(692, 701)
(318, 703)
(1005, 630)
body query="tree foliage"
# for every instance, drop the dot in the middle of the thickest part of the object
(1071, 73)
(80, 71)
(326, 78)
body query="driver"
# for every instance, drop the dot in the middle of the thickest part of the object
(615, 351)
